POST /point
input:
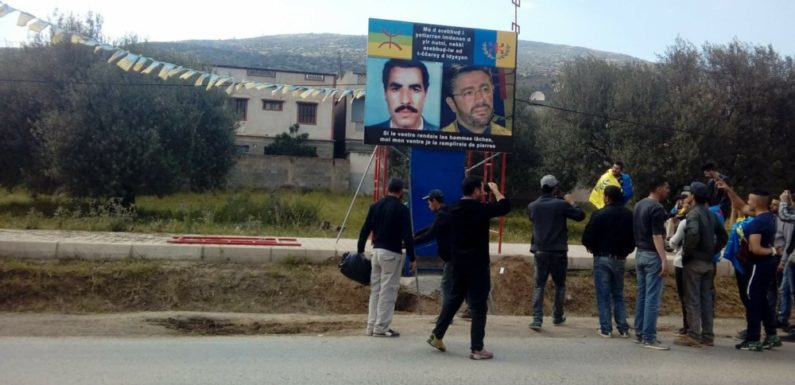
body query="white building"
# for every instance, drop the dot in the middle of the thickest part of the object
(335, 127)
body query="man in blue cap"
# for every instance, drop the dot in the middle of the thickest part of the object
(441, 234)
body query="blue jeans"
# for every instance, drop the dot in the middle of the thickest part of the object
(608, 278)
(785, 294)
(650, 285)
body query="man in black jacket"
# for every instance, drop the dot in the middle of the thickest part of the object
(550, 246)
(610, 237)
(389, 222)
(469, 236)
(704, 237)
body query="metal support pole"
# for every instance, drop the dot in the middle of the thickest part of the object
(482, 162)
(356, 194)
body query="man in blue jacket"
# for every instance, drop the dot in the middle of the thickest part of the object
(550, 246)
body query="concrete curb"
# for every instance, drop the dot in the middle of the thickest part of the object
(42, 244)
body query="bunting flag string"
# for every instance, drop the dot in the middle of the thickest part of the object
(128, 61)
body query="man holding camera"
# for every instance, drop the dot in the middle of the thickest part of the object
(550, 246)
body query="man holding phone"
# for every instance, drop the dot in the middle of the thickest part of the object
(468, 226)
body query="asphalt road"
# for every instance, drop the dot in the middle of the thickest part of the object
(367, 360)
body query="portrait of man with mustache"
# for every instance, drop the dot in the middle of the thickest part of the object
(405, 89)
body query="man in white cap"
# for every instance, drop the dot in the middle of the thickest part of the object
(550, 246)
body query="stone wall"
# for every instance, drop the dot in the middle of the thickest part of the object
(271, 172)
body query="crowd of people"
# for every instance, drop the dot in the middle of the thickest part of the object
(758, 243)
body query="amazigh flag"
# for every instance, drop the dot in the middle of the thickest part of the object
(598, 193)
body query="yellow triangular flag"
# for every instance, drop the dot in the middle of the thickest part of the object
(230, 89)
(211, 83)
(328, 93)
(221, 82)
(167, 67)
(24, 19)
(139, 65)
(38, 26)
(58, 37)
(151, 67)
(201, 79)
(176, 71)
(5, 9)
(187, 74)
(306, 93)
(127, 62)
(118, 55)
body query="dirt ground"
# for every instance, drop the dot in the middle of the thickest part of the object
(156, 297)
(188, 324)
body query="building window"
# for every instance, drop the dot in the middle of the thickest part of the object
(357, 114)
(272, 105)
(261, 73)
(241, 108)
(315, 77)
(307, 113)
(243, 149)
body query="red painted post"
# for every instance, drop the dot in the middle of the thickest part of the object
(503, 166)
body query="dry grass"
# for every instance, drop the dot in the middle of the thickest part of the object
(77, 286)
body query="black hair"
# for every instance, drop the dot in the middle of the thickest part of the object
(761, 192)
(619, 164)
(701, 199)
(548, 189)
(709, 166)
(451, 74)
(438, 199)
(395, 185)
(614, 193)
(400, 63)
(471, 183)
(656, 182)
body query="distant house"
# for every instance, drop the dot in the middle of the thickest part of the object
(335, 127)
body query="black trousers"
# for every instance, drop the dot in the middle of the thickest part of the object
(761, 273)
(680, 290)
(471, 284)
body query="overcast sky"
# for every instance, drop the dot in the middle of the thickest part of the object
(640, 28)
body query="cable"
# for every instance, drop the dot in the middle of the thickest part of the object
(595, 115)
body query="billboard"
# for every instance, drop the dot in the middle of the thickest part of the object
(439, 87)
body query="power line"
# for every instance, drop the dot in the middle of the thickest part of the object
(605, 117)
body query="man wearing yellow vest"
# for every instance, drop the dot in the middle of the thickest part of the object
(615, 176)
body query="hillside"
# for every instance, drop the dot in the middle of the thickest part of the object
(539, 63)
